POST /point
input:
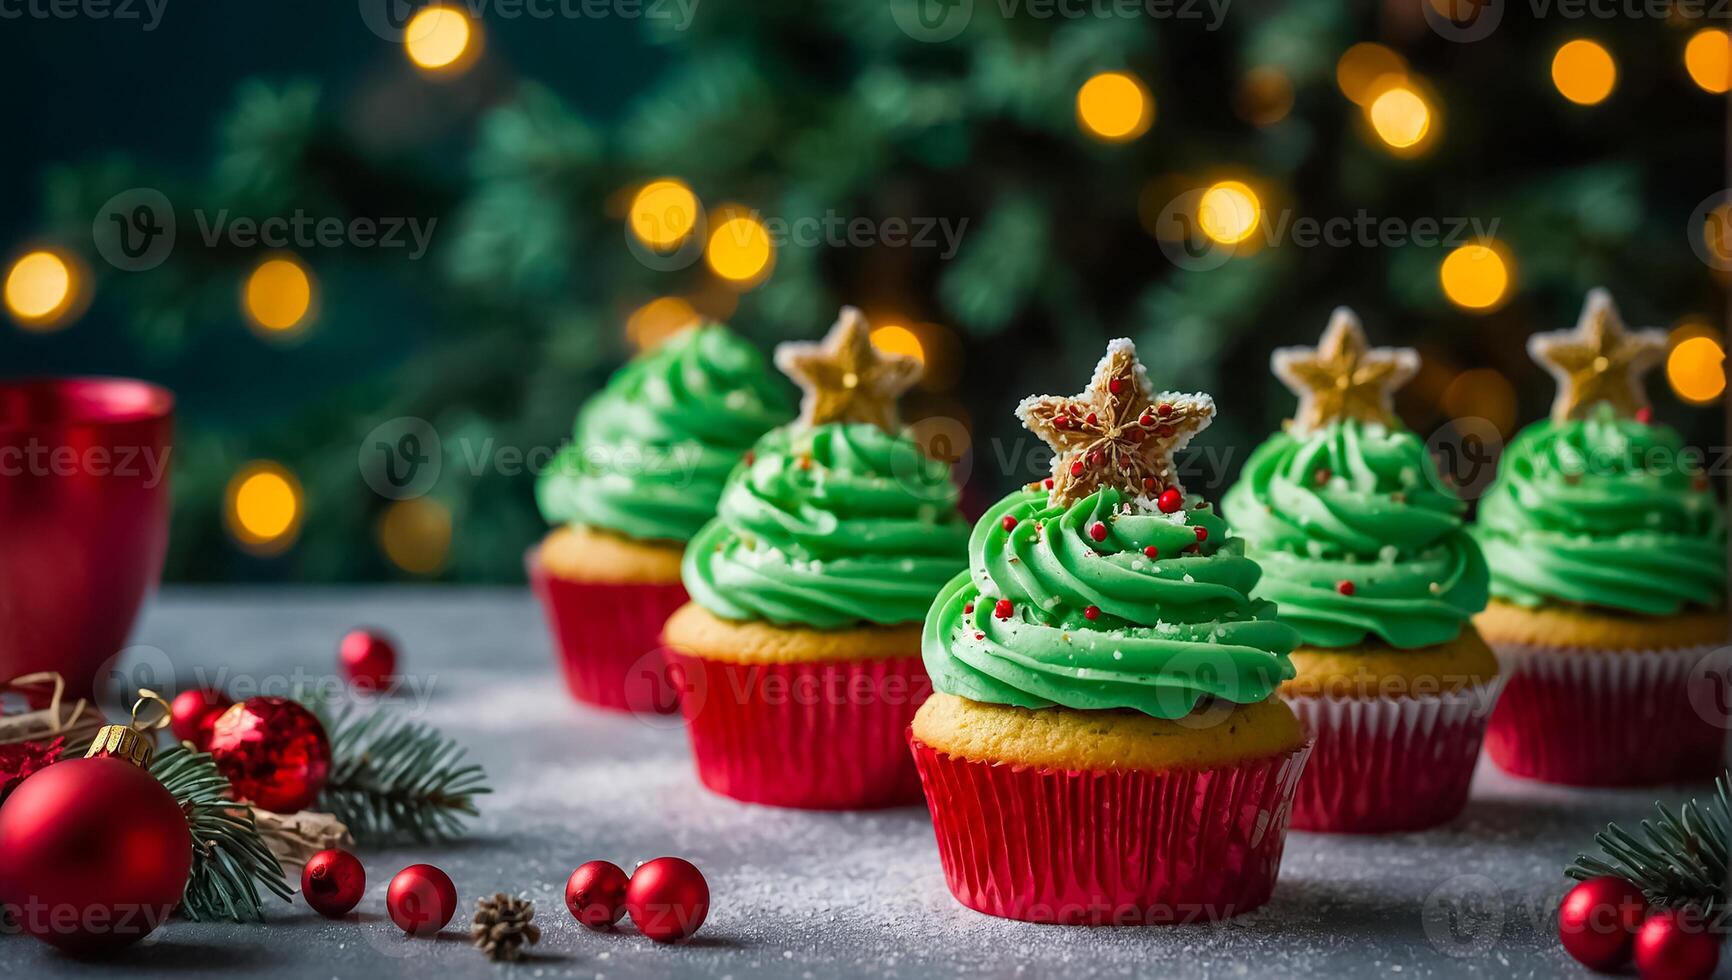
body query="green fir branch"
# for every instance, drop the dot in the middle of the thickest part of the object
(393, 780)
(230, 859)
(1678, 858)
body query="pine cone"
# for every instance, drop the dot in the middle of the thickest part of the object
(502, 926)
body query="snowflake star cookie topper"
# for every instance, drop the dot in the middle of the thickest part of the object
(845, 378)
(1601, 360)
(1344, 377)
(1115, 433)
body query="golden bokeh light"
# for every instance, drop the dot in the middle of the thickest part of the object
(441, 39)
(1482, 393)
(659, 319)
(1476, 277)
(894, 338)
(1400, 117)
(1696, 369)
(663, 213)
(740, 251)
(1264, 97)
(278, 296)
(264, 507)
(41, 288)
(1708, 59)
(1229, 212)
(415, 535)
(1584, 72)
(1366, 69)
(1114, 106)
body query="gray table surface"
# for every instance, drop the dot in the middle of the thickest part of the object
(794, 894)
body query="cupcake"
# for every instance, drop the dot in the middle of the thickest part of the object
(1104, 745)
(1608, 558)
(1367, 554)
(641, 475)
(799, 654)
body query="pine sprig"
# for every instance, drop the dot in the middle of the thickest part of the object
(396, 780)
(230, 859)
(1675, 859)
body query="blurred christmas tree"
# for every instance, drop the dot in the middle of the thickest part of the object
(1001, 192)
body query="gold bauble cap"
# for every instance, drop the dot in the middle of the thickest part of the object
(122, 742)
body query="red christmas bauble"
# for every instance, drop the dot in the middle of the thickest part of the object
(368, 658)
(1676, 944)
(273, 751)
(421, 899)
(667, 898)
(595, 894)
(192, 713)
(94, 854)
(332, 882)
(1598, 919)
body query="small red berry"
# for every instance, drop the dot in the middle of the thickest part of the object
(1060, 422)
(1098, 531)
(1076, 468)
(967, 608)
(1345, 587)
(1170, 500)
(1097, 458)
(1645, 415)
(1004, 608)
(1152, 552)
(1116, 385)
(1009, 522)
(1165, 408)
(1092, 612)
(1146, 419)
(1049, 483)
(1092, 419)
(1202, 534)
(1148, 484)
(980, 636)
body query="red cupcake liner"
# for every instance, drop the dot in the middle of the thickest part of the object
(608, 638)
(822, 735)
(1611, 718)
(1382, 765)
(1109, 847)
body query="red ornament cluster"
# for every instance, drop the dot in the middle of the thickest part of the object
(1605, 922)
(667, 899)
(273, 751)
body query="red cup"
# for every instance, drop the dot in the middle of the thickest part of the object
(84, 507)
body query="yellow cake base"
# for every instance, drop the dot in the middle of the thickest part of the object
(1374, 670)
(581, 554)
(1579, 628)
(698, 632)
(1066, 738)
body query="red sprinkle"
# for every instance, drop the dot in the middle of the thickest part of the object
(1092, 612)
(1645, 415)
(968, 607)
(1148, 484)
(751, 457)
(1009, 522)
(1202, 534)
(1098, 531)
(1345, 587)
(1049, 483)
(1152, 552)
(1169, 501)
(980, 636)
(1076, 468)
(1004, 608)
(1165, 408)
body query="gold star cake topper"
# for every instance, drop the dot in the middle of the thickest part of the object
(1115, 433)
(1344, 377)
(1601, 360)
(845, 378)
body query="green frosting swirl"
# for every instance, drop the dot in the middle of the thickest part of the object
(1363, 504)
(1603, 511)
(829, 526)
(651, 452)
(1099, 624)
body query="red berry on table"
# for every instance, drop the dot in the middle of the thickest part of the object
(1152, 552)
(668, 899)
(1170, 500)
(1098, 531)
(1003, 608)
(1202, 534)
(368, 658)
(192, 713)
(1092, 612)
(1676, 944)
(1009, 522)
(1598, 919)
(421, 899)
(333, 882)
(595, 894)
(1346, 587)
